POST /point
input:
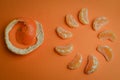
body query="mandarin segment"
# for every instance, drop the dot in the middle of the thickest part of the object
(92, 64)
(62, 33)
(106, 51)
(64, 50)
(92, 61)
(76, 62)
(83, 16)
(99, 23)
(107, 35)
(71, 22)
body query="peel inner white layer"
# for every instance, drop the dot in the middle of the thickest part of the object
(16, 50)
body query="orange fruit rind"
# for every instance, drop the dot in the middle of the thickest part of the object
(16, 50)
(26, 33)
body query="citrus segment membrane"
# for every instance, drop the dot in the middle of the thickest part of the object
(62, 33)
(76, 62)
(64, 50)
(92, 64)
(99, 23)
(107, 35)
(83, 16)
(106, 51)
(71, 22)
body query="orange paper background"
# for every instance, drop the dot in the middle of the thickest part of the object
(44, 63)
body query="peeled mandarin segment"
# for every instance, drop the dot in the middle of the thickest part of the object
(26, 33)
(107, 35)
(64, 50)
(83, 16)
(99, 23)
(62, 33)
(75, 63)
(106, 51)
(92, 64)
(71, 22)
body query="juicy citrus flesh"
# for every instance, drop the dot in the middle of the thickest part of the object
(63, 33)
(64, 50)
(92, 64)
(26, 33)
(83, 16)
(106, 51)
(76, 62)
(99, 23)
(107, 35)
(71, 22)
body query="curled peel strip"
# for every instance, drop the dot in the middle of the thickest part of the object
(11, 47)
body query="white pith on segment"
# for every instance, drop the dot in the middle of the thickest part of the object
(75, 63)
(94, 66)
(99, 23)
(107, 35)
(64, 50)
(83, 16)
(62, 33)
(71, 22)
(101, 50)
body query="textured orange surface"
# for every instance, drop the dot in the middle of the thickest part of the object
(20, 38)
(44, 63)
